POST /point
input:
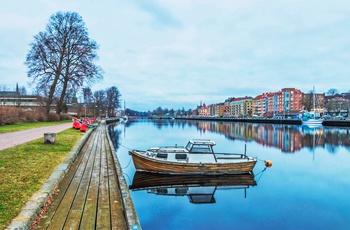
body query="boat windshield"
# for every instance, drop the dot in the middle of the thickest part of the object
(189, 146)
(196, 148)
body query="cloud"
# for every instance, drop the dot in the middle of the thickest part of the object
(177, 53)
(161, 17)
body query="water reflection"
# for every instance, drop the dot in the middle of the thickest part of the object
(287, 138)
(198, 188)
(296, 193)
(114, 134)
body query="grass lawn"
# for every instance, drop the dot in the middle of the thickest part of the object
(26, 167)
(32, 125)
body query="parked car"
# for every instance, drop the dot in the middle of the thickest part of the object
(339, 117)
(327, 117)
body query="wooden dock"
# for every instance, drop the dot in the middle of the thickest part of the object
(90, 195)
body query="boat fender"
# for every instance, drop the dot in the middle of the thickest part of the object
(268, 163)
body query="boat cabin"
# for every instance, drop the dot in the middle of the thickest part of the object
(200, 146)
(196, 151)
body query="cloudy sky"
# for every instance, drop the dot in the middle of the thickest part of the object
(174, 53)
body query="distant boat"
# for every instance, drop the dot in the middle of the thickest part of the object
(312, 121)
(197, 157)
(125, 117)
(312, 118)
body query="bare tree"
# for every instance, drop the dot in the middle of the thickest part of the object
(307, 101)
(22, 90)
(100, 98)
(332, 92)
(4, 88)
(62, 57)
(112, 100)
(88, 96)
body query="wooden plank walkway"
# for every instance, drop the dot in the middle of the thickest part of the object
(89, 195)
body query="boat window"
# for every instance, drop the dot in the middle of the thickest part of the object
(180, 156)
(201, 149)
(189, 146)
(181, 191)
(162, 155)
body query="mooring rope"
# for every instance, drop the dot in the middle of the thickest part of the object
(129, 158)
(260, 173)
(126, 175)
(125, 147)
(127, 164)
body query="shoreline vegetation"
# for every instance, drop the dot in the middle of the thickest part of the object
(16, 115)
(24, 168)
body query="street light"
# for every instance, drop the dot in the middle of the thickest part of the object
(84, 92)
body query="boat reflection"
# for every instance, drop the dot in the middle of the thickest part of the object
(198, 188)
(312, 129)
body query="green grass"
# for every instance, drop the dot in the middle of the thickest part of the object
(26, 167)
(24, 126)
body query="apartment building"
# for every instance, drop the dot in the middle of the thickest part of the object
(291, 99)
(259, 105)
(287, 101)
(219, 110)
(241, 107)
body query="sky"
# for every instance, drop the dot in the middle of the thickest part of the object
(176, 54)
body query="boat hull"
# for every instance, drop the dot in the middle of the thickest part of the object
(143, 163)
(312, 122)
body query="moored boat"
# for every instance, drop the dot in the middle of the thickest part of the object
(313, 117)
(312, 121)
(198, 157)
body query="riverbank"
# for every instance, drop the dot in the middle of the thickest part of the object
(344, 123)
(24, 168)
(66, 173)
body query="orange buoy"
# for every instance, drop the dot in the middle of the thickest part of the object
(268, 163)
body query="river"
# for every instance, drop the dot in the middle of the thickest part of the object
(307, 187)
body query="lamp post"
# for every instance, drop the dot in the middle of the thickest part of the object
(84, 92)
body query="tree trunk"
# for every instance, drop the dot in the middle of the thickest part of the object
(63, 94)
(50, 97)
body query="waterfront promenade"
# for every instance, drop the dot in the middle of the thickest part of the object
(92, 194)
(9, 140)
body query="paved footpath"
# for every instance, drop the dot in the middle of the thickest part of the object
(9, 140)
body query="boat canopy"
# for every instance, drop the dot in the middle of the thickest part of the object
(202, 142)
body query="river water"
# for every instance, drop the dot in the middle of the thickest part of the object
(308, 186)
